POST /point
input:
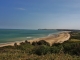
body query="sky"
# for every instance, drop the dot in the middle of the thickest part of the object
(35, 14)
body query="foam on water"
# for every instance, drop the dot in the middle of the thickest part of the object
(28, 37)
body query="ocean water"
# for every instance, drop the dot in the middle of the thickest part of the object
(11, 35)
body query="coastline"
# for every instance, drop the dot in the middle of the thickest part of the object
(58, 38)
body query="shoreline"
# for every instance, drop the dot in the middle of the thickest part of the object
(59, 38)
(54, 38)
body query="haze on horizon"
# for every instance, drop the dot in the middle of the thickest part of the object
(34, 14)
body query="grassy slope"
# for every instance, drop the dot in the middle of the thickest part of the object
(26, 51)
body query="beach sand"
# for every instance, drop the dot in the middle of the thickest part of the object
(59, 38)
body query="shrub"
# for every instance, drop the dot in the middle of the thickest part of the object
(71, 48)
(56, 44)
(56, 49)
(34, 43)
(42, 42)
(22, 43)
(15, 45)
(42, 50)
(27, 42)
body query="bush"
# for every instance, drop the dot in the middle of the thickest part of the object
(42, 42)
(72, 48)
(42, 50)
(34, 43)
(56, 49)
(27, 42)
(56, 44)
(15, 45)
(22, 43)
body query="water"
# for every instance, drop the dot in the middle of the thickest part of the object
(11, 35)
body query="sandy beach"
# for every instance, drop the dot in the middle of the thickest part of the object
(59, 38)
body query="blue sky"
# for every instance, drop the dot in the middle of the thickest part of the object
(34, 14)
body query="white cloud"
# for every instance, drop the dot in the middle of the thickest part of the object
(21, 8)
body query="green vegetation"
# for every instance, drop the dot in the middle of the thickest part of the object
(69, 50)
(41, 42)
(75, 35)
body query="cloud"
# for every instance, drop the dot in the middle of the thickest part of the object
(20, 8)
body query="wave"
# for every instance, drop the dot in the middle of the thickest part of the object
(54, 34)
(28, 37)
(51, 34)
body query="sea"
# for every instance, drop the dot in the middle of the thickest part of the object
(12, 35)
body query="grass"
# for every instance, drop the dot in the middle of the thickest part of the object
(75, 40)
(23, 56)
(69, 50)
